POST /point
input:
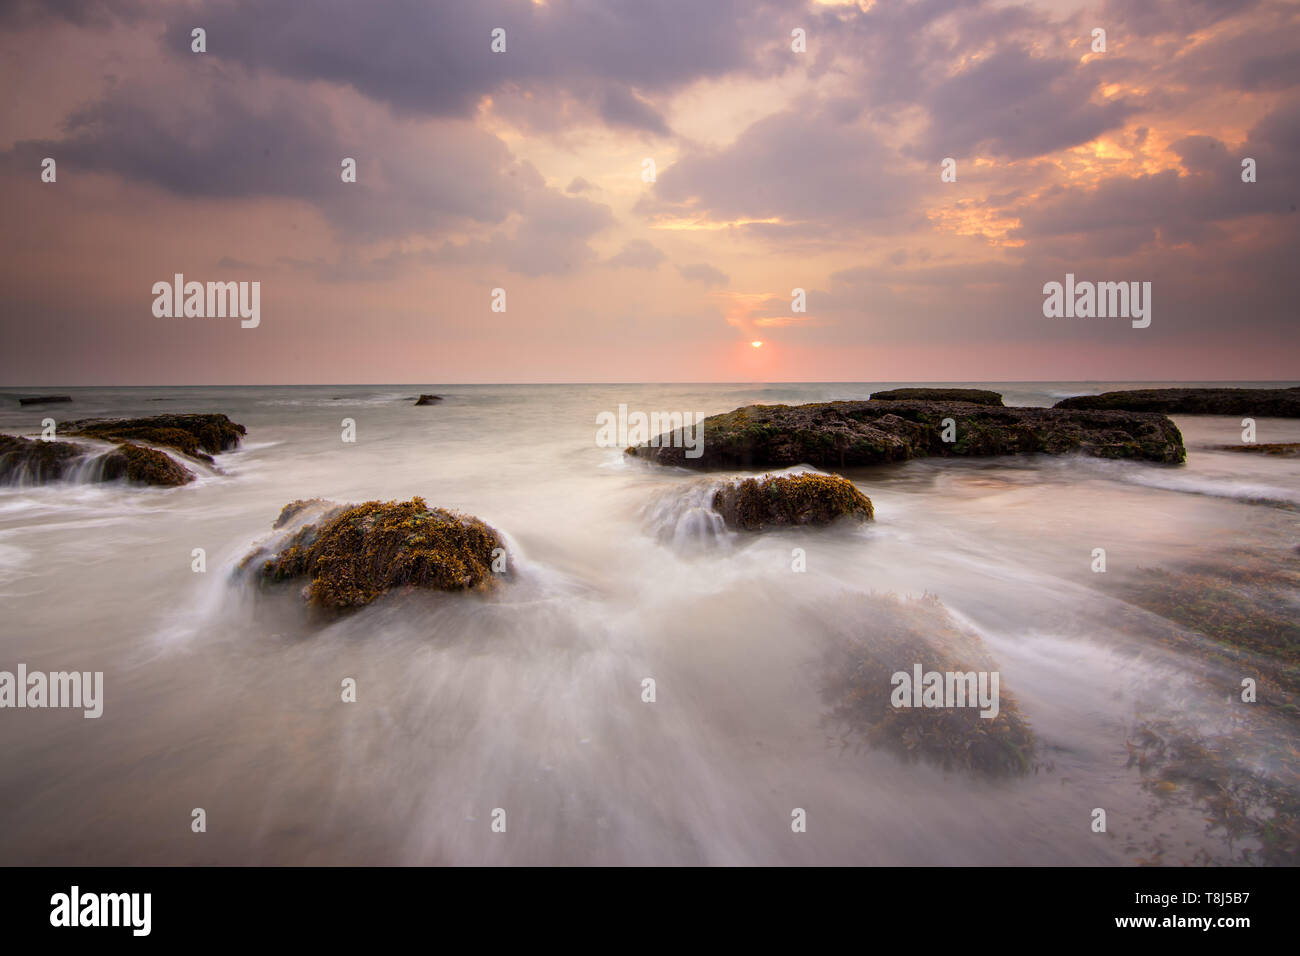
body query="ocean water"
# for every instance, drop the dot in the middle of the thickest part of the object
(528, 699)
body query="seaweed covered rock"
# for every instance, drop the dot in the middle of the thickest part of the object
(199, 436)
(976, 396)
(752, 505)
(352, 554)
(428, 400)
(144, 466)
(25, 461)
(862, 690)
(844, 434)
(1264, 402)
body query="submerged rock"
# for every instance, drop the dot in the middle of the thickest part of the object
(428, 400)
(1264, 402)
(866, 696)
(352, 554)
(199, 436)
(845, 434)
(976, 396)
(44, 399)
(39, 462)
(751, 505)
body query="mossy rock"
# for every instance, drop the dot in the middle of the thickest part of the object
(199, 436)
(353, 554)
(976, 396)
(22, 459)
(790, 500)
(144, 466)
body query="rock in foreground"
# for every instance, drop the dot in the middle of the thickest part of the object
(1264, 402)
(976, 396)
(752, 505)
(353, 554)
(833, 435)
(199, 436)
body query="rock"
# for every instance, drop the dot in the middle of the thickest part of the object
(144, 466)
(831, 435)
(880, 637)
(44, 399)
(428, 399)
(352, 554)
(199, 436)
(1263, 402)
(38, 462)
(977, 396)
(1284, 449)
(752, 505)
(23, 461)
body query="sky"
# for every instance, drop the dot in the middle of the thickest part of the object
(649, 182)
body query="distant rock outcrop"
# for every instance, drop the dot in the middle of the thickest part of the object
(44, 399)
(428, 400)
(977, 396)
(1263, 402)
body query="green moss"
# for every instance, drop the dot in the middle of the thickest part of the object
(751, 505)
(354, 556)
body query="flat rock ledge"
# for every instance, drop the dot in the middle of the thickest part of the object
(830, 435)
(1264, 402)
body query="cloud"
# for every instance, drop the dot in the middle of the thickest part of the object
(637, 254)
(703, 272)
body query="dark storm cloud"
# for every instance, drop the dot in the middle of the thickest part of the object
(435, 58)
(232, 140)
(1016, 106)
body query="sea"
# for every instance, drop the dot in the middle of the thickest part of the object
(645, 686)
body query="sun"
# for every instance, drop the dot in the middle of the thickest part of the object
(757, 345)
